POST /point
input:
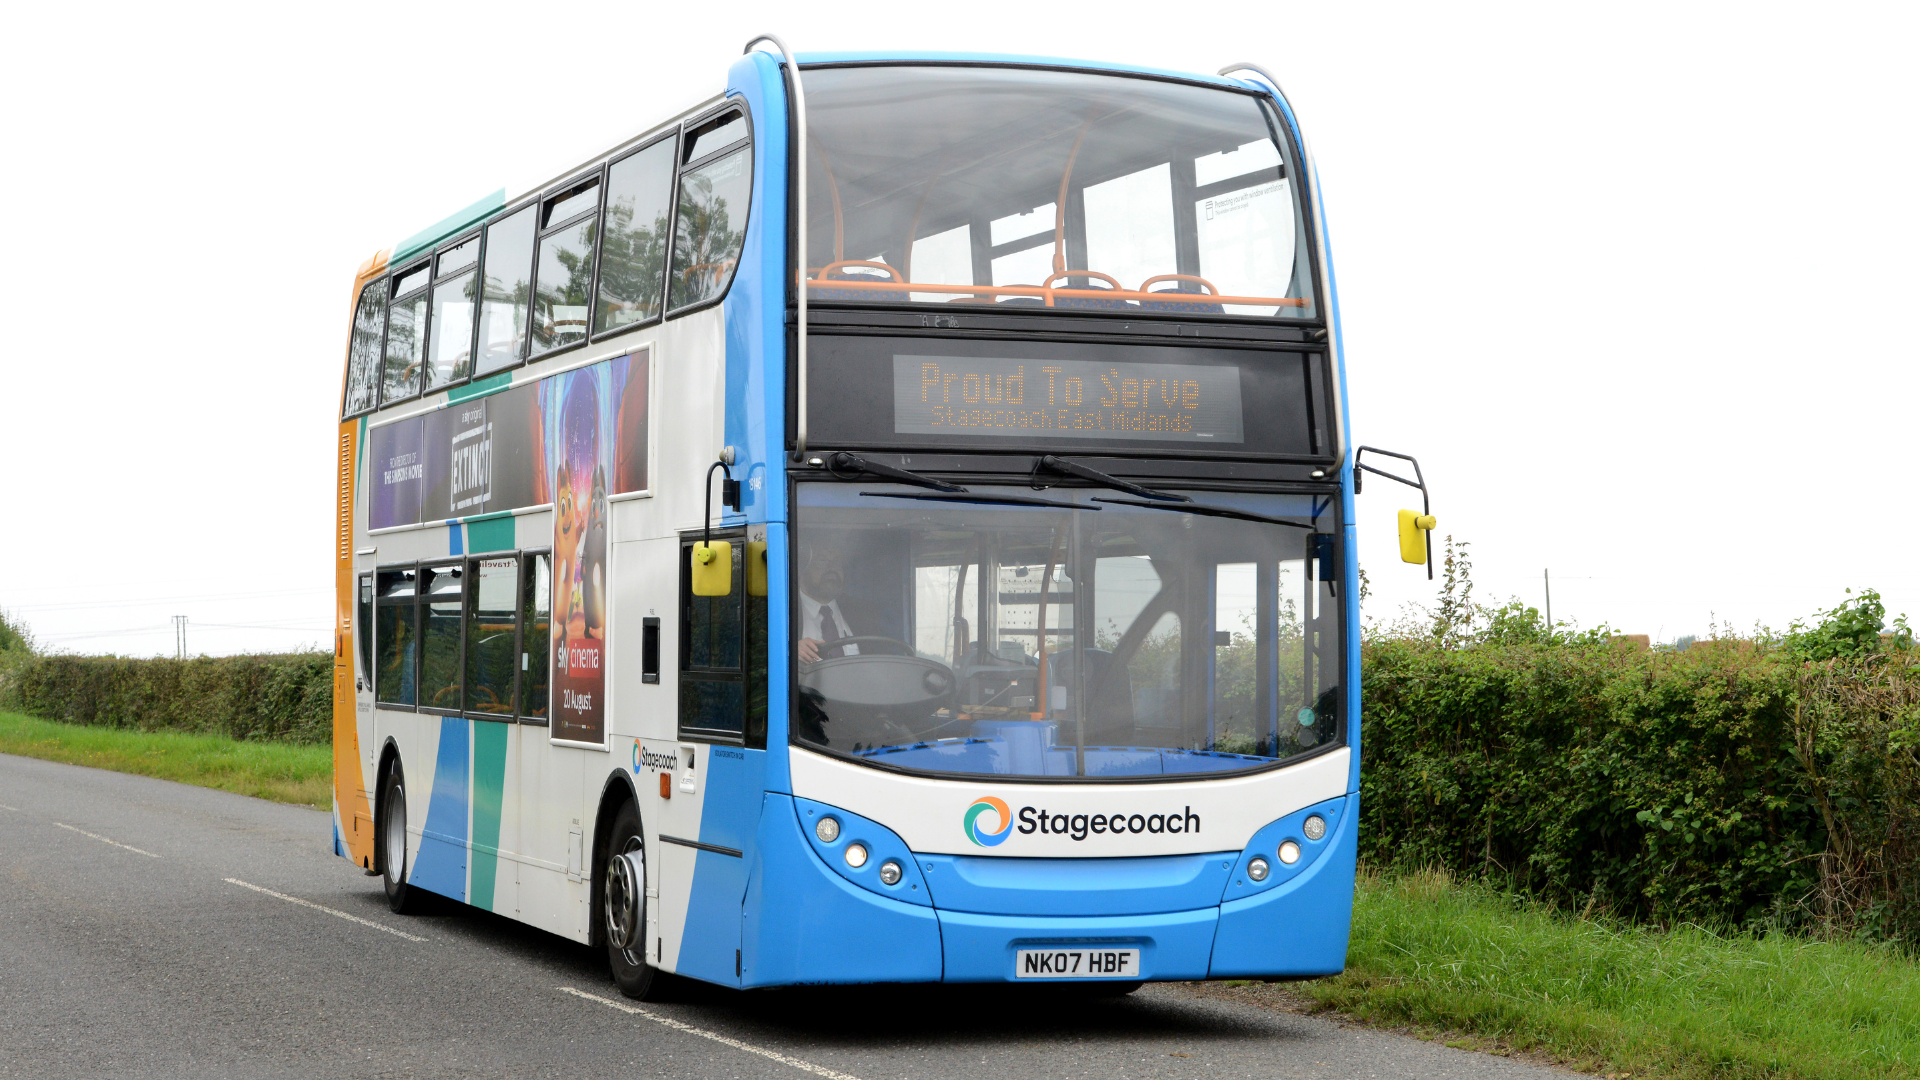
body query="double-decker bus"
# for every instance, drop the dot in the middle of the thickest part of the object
(890, 522)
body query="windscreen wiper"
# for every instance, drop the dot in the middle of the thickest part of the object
(1074, 468)
(971, 497)
(844, 461)
(1210, 511)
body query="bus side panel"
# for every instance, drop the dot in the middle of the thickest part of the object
(549, 838)
(806, 924)
(730, 799)
(352, 815)
(442, 864)
(493, 744)
(1301, 927)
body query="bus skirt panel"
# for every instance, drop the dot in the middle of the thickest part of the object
(804, 923)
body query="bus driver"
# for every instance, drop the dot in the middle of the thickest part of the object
(827, 613)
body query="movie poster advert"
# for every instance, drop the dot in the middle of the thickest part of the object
(395, 470)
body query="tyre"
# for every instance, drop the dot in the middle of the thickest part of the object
(402, 898)
(623, 913)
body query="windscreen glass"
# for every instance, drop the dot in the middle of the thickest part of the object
(1016, 187)
(1093, 638)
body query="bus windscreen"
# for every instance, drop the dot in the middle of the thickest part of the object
(1023, 187)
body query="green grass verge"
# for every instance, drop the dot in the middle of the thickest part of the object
(1682, 1003)
(283, 772)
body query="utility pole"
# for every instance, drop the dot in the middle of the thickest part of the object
(1547, 580)
(180, 637)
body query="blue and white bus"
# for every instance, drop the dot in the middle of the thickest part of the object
(891, 521)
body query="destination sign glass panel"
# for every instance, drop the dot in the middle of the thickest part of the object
(1070, 399)
(886, 391)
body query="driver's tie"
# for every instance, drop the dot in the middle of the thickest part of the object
(830, 629)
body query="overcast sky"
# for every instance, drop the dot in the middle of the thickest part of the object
(1635, 282)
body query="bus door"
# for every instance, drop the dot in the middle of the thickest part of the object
(707, 825)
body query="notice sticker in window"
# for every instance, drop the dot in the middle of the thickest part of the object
(1071, 399)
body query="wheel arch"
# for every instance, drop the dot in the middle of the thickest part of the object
(615, 793)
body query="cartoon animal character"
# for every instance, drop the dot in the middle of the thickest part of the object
(593, 557)
(566, 530)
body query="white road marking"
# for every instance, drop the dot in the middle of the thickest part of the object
(803, 1066)
(319, 907)
(15, 809)
(104, 840)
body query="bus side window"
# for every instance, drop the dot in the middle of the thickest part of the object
(633, 245)
(536, 636)
(712, 703)
(363, 631)
(507, 285)
(363, 353)
(492, 640)
(406, 335)
(396, 644)
(710, 218)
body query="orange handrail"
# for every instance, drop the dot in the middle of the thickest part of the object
(1046, 293)
(832, 266)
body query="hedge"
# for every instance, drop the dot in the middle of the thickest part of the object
(1733, 784)
(287, 697)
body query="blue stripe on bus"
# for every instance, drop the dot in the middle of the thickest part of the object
(909, 56)
(441, 866)
(730, 807)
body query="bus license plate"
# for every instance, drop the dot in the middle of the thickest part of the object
(1076, 963)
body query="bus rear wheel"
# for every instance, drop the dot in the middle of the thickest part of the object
(393, 845)
(623, 892)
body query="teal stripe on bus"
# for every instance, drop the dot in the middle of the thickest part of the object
(431, 235)
(492, 384)
(489, 781)
(491, 533)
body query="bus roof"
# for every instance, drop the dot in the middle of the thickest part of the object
(479, 210)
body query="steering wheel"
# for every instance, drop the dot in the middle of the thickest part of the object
(906, 682)
(863, 639)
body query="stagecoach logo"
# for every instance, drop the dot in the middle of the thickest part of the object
(1076, 826)
(644, 758)
(981, 807)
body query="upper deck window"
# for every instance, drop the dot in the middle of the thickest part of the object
(710, 220)
(363, 351)
(1020, 187)
(563, 270)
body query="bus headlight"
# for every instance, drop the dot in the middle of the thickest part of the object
(857, 855)
(1289, 853)
(890, 873)
(1315, 827)
(1257, 869)
(828, 830)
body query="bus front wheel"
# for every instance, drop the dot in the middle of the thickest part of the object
(623, 890)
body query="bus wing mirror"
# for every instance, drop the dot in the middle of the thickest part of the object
(1414, 527)
(712, 568)
(756, 568)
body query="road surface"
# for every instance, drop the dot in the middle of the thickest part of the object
(151, 929)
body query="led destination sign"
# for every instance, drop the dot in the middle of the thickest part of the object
(1070, 399)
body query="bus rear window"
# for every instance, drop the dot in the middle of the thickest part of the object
(1029, 188)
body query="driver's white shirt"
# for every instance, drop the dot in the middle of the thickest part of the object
(810, 623)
